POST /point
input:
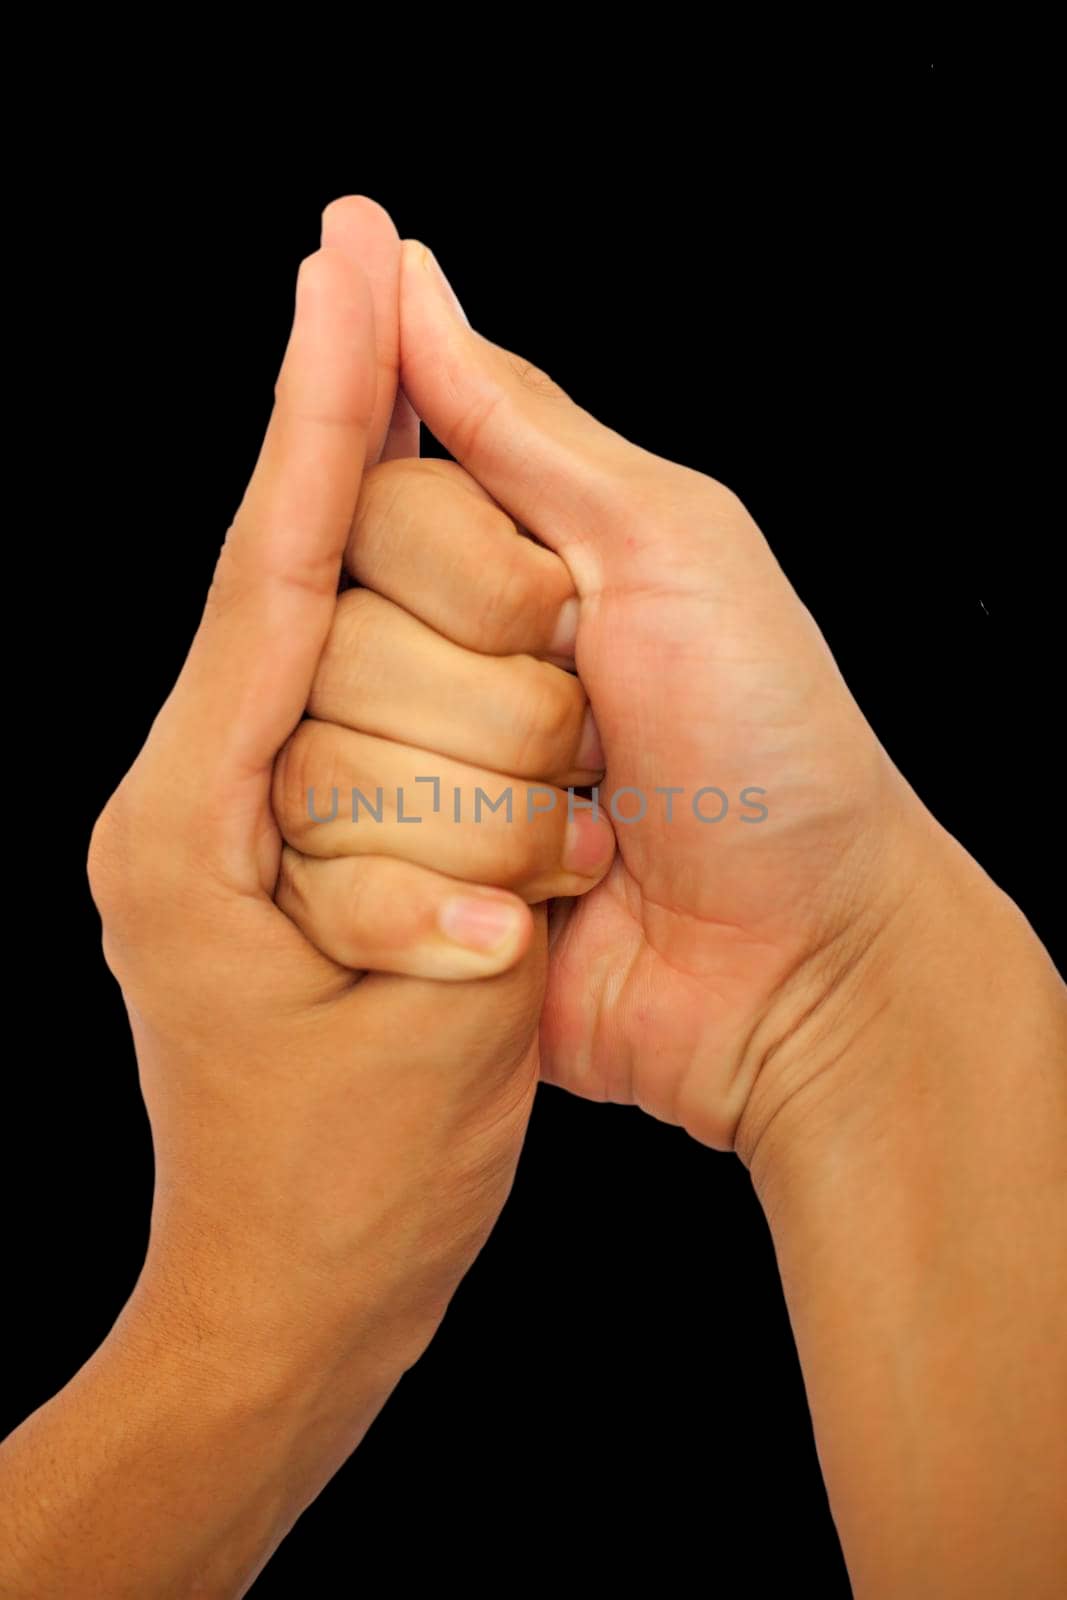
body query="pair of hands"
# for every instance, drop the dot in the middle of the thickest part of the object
(340, 1025)
(320, 1101)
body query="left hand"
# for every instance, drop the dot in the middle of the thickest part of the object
(331, 1150)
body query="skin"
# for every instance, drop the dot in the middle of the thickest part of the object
(840, 994)
(320, 1190)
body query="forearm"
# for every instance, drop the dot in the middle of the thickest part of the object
(172, 1465)
(916, 1188)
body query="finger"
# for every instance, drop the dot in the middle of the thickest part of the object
(365, 234)
(246, 680)
(371, 913)
(340, 793)
(429, 537)
(483, 1036)
(384, 672)
(558, 471)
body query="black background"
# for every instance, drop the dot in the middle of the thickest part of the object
(802, 298)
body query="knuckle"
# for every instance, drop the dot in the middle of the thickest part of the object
(350, 670)
(386, 489)
(547, 708)
(290, 890)
(554, 583)
(508, 598)
(493, 847)
(107, 860)
(387, 479)
(434, 476)
(356, 894)
(301, 768)
(131, 880)
(340, 912)
(359, 909)
(533, 853)
(520, 849)
(124, 865)
(357, 623)
(377, 918)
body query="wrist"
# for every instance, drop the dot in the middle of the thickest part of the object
(884, 1027)
(907, 1145)
(273, 1328)
(181, 1453)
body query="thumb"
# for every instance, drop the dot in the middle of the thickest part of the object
(246, 680)
(557, 470)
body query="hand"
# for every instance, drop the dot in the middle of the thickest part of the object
(691, 968)
(332, 1145)
(331, 1150)
(287, 1125)
(838, 991)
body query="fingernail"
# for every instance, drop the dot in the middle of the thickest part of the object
(590, 754)
(588, 844)
(477, 923)
(433, 267)
(566, 633)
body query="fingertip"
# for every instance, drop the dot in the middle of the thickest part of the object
(493, 926)
(589, 844)
(539, 455)
(419, 260)
(354, 214)
(414, 265)
(365, 233)
(413, 253)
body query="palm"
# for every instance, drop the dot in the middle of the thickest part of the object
(661, 973)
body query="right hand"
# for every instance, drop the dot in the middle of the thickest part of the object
(716, 968)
